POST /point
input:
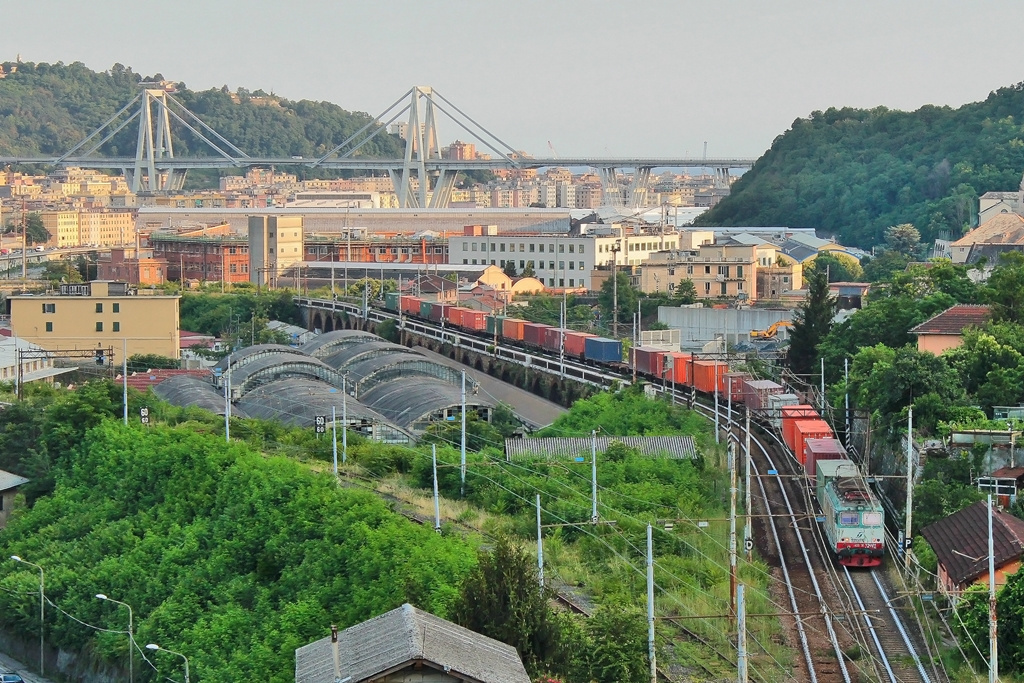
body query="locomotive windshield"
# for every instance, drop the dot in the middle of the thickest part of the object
(849, 518)
(872, 519)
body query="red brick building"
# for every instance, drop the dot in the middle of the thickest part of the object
(381, 248)
(122, 266)
(210, 253)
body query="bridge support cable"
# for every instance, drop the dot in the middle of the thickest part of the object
(99, 130)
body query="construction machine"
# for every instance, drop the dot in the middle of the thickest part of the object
(771, 331)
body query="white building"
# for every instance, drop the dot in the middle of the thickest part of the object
(34, 366)
(559, 260)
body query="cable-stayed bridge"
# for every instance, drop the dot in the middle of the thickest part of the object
(421, 178)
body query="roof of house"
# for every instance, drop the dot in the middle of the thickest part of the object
(9, 480)
(999, 195)
(798, 251)
(1008, 473)
(954, 320)
(406, 636)
(1003, 228)
(990, 252)
(960, 541)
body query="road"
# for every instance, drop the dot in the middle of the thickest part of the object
(535, 410)
(11, 665)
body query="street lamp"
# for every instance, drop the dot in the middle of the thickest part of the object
(41, 612)
(131, 639)
(154, 646)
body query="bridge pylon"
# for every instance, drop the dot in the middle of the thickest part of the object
(414, 184)
(154, 169)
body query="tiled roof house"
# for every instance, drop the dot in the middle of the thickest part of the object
(960, 542)
(945, 330)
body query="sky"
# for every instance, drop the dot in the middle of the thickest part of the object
(592, 78)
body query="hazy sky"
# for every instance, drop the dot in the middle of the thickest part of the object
(657, 77)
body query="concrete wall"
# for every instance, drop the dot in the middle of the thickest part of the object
(698, 326)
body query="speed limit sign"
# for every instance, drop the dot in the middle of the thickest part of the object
(144, 415)
(748, 544)
(321, 424)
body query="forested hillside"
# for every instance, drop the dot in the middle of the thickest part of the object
(854, 172)
(45, 109)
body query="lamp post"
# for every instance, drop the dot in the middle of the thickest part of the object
(154, 646)
(131, 631)
(41, 608)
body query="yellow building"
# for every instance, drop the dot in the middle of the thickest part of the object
(62, 226)
(726, 270)
(98, 315)
(275, 243)
(106, 228)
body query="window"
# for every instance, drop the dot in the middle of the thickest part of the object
(492, 246)
(739, 271)
(581, 248)
(561, 265)
(465, 246)
(723, 270)
(561, 282)
(49, 308)
(785, 279)
(551, 265)
(522, 264)
(502, 247)
(848, 518)
(117, 327)
(551, 282)
(492, 262)
(671, 287)
(572, 282)
(739, 285)
(581, 265)
(474, 246)
(561, 248)
(99, 308)
(49, 327)
(572, 265)
(689, 270)
(117, 307)
(572, 249)
(532, 247)
(483, 246)
(233, 269)
(707, 288)
(522, 247)
(474, 262)
(99, 327)
(707, 270)
(724, 292)
(465, 261)
(872, 519)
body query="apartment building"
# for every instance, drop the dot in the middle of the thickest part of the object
(559, 259)
(275, 243)
(98, 315)
(724, 270)
(123, 265)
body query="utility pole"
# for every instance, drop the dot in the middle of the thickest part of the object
(748, 537)
(910, 488)
(540, 549)
(650, 607)
(593, 476)
(717, 437)
(462, 469)
(846, 399)
(227, 401)
(822, 406)
(437, 501)
(24, 244)
(334, 437)
(741, 636)
(732, 527)
(993, 643)
(615, 290)
(124, 380)
(344, 421)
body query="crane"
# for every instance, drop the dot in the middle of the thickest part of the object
(771, 331)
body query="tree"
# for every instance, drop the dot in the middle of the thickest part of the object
(528, 270)
(1005, 288)
(501, 598)
(619, 647)
(509, 268)
(839, 268)
(685, 293)
(628, 297)
(811, 324)
(904, 239)
(882, 267)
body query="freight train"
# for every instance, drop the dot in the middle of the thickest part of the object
(853, 516)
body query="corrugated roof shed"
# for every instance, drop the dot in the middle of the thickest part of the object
(570, 447)
(960, 541)
(955, 320)
(408, 636)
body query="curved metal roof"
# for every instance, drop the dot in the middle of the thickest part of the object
(274, 366)
(349, 355)
(250, 353)
(326, 343)
(298, 400)
(407, 403)
(368, 373)
(188, 390)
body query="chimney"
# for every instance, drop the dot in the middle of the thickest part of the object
(334, 649)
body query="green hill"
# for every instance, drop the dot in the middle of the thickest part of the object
(45, 109)
(854, 172)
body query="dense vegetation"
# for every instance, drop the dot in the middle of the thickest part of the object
(223, 553)
(45, 109)
(854, 172)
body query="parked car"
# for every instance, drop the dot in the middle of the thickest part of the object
(11, 678)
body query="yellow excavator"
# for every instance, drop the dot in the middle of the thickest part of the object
(771, 331)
